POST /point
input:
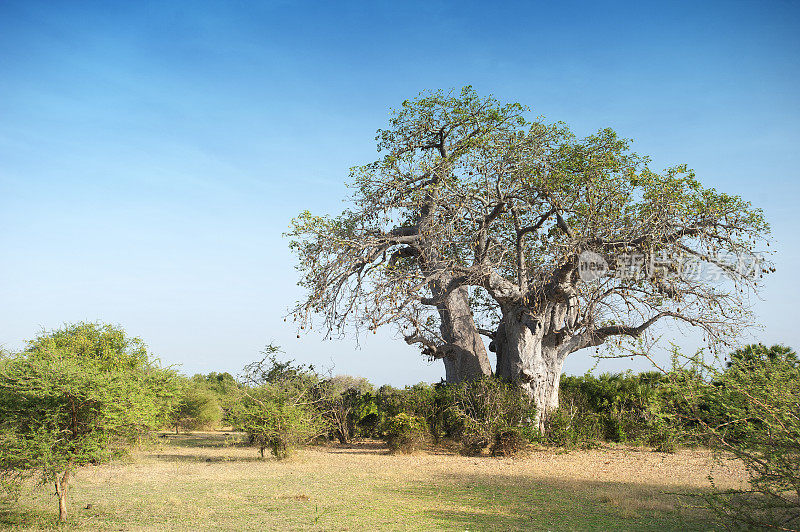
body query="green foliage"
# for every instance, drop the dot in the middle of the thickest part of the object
(106, 345)
(391, 401)
(278, 407)
(614, 407)
(567, 427)
(486, 409)
(475, 413)
(756, 355)
(752, 410)
(404, 433)
(416, 400)
(295, 378)
(76, 396)
(223, 385)
(276, 420)
(197, 407)
(345, 402)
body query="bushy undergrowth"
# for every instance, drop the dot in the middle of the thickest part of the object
(616, 408)
(751, 410)
(491, 412)
(474, 414)
(404, 433)
(748, 408)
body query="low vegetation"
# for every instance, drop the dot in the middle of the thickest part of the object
(81, 395)
(198, 482)
(76, 397)
(752, 411)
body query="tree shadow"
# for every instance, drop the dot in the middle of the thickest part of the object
(491, 502)
(204, 439)
(374, 447)
(13, 516)
(209, 459)
(379, 447)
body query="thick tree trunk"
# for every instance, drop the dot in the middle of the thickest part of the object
(466, 357)
(61, 492)
(527, 356)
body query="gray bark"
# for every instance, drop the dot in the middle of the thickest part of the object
(530, 353)
(464, 354)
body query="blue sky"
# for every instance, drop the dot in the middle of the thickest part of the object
(152, 153)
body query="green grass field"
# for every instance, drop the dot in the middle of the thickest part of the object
(202, 482)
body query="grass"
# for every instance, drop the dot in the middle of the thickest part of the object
(198, 482)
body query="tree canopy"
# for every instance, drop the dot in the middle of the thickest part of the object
(76, 396)
(479, 220)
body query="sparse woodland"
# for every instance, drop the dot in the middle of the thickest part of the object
(85, 394)
(478, 229)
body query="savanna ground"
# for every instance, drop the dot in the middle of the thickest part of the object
(202, 482)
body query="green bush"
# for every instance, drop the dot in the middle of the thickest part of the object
(752, 411)
(275, 421)
(224, 388)
(420, 400)
(618, 408)
(664, 438)
(487, 408)
(279, 405)
(196, 408)
(76, 396)
(509, 442)
(404, 433)
(567, 428)
(344, 401)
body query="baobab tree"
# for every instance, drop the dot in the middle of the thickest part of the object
(478, 221)
(387, 260)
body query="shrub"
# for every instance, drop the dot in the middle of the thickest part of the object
(488, 407)
(752, 411)
(420, 400)
(76, 396)
(616, 407)
(367, 426)
(570, 428)
(224, 388)
(276, 422)
(663, 439)
(343, 402)
(509, 442)
(404, 433)
(278, 407)
(197, 407)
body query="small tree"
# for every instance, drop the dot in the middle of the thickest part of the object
(196, 407)
(752, 411)
(277, 407)
(76, 396)
(275, 420)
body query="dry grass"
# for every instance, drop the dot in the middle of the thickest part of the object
(197, 483)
